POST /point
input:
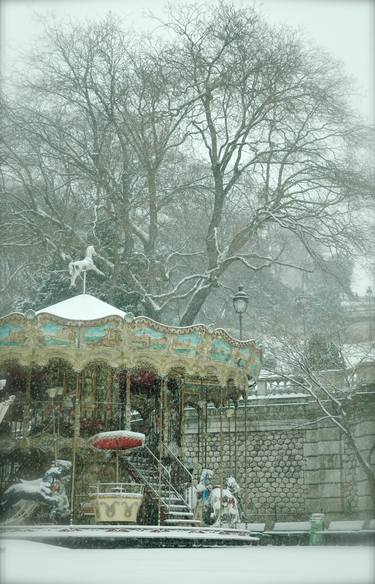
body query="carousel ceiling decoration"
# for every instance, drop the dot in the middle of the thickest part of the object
(84, 329)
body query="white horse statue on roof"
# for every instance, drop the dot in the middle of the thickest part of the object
(82, 266)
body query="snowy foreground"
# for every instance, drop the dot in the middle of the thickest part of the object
(24, 562)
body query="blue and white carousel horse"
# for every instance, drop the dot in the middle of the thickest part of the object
(215, 505)
(48, 490)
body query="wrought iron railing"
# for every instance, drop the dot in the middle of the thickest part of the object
(163, 486)
(180, 476)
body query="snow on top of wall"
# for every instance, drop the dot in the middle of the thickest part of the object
(82, 307)
(355, 354)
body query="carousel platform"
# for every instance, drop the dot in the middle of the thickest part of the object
(125, 536)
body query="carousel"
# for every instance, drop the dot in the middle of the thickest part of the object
(98, 410)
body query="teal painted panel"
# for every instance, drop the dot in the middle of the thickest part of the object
(220, 351)
(105, 334)
(187, 344)
(57, 335)
(146, 337)
(12, 335)
(190, 338)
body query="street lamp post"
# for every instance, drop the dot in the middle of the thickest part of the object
(240, 303)
(53, 392)
(369, 294)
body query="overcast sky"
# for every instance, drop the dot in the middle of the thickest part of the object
(343, 27)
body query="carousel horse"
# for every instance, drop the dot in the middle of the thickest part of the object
(86, 265)
(49, 490)
(224, 503)
(213, 504)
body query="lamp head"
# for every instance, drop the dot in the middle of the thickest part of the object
(240, 301)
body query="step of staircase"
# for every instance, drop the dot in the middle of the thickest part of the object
(175, 509)
(182, 521)
(180, 514)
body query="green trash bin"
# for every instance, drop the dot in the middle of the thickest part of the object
(316, 527)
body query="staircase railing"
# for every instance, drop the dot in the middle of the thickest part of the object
(183, 477)
(165, 476)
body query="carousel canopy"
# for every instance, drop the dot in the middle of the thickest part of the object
(82, 307)
(84, 329)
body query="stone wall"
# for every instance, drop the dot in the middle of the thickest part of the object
(295, 465)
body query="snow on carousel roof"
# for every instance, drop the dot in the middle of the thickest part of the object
(82, 307)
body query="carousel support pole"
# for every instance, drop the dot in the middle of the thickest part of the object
(26, 409)
(109, 395)
(84, 282)
(245, 460)
(161, 424)
(205, 426)
(229, 412)
(128, 411)
(198, 410)
(182, 418)
(54, 430)
(96, 411)
(77, 416)
(117, 468)
(221, 453)
(165, 425)
(235, 439)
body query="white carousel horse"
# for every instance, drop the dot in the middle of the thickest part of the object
(49, 489)
(222, 504)
(86, 265)
(5, 405)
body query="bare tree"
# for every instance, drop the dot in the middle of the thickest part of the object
(174, 161)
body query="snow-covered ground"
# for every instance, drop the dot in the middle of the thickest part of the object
(34, 563)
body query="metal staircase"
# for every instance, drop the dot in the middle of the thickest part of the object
(172, 496)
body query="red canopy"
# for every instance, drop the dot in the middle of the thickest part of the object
(117, 440)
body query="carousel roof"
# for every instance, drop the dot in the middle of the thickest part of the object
(84, 329)
(82, 307)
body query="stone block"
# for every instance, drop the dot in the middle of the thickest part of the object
(312, 463)
(311, 435)
(330, 461)
(366, 428)
(330, 490)
(365, 504)
(330, 475)
(330, 504)
(328, 433)
(365, 442)
(363, 489)
(311, 449)
(312, 477)
(330, 447)
(314, 491)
